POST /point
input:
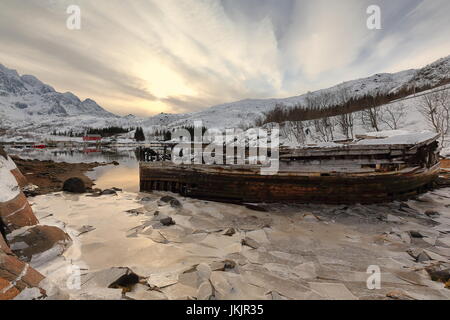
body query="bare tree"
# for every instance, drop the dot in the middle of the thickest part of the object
(345, 123)
(435, 107)
(325, 128)
(370, 118)
(392, 115)
(295, 129)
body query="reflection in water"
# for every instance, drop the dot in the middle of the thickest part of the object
(124, 176)
(76, 155)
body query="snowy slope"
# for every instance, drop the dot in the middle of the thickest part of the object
(27, 104)
(25, 100)
(433, 74)
(244, 113)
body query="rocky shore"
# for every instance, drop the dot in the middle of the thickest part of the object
(49, 176)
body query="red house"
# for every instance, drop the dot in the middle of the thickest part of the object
(92, 138)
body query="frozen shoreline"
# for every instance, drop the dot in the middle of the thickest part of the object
(292, 252)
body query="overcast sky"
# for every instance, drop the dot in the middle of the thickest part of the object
(151, 56)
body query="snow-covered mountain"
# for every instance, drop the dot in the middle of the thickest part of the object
(244, 113)
(30, 105)
(26, 99)
(432, 75)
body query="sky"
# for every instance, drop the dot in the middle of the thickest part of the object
(145, 57)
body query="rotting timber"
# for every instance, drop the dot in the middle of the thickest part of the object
(371, 170)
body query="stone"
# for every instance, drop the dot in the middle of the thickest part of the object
(167, 222)
(74, 185)
(112, 278)
(230, 232)
(162, 280)
(333, 291)
(398, 295)
(205, 291)
(7, 290)
(136, 212)
(204, 271)
(439, 275)
(175, 204)
(259, 236)
(416, 234)
(30, 190)
(108, 192)
(223, 265)
(20, 178)
(432, 213)
(85, 229)
(19, 274)
(306, 270)
(250, 243)
(167, 199)
(39, 239)
(405, 237)
(423, 257)
(17, 213)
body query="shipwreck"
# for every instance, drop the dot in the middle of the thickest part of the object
(371, 169)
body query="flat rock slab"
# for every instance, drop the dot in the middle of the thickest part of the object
(333, 291)
(162, 280)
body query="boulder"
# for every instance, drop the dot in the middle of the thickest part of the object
(74, 185)
(173, 202)
(21, 180)
(16, 276)
(17, 213)
(39, 239)
(167, 222)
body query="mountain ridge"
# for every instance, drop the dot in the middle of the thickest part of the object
(26, 102)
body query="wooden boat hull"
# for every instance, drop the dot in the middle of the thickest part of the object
(248, 186)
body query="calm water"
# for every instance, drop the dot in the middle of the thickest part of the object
(124, 176)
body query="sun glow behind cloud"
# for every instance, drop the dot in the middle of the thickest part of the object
(151, 56)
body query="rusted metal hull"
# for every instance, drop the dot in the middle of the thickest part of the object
(240, 186)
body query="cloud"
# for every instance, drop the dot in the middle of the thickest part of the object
(150, 56)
